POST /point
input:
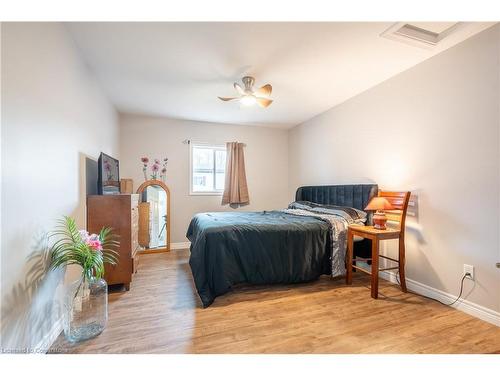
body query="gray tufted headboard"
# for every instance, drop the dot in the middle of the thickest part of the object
(356, 196)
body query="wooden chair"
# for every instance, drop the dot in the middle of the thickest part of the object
(399, 200)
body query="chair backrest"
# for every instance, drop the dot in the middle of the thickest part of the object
(399, 200)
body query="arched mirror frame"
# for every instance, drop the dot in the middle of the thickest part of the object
(140, 190)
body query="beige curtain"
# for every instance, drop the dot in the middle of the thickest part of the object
(235, 188)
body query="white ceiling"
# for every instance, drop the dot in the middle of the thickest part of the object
(178, 69)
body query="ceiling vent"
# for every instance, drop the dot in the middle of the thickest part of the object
(420, 34)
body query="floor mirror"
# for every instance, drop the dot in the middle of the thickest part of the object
(154, 217)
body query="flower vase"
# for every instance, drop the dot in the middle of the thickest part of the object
(85, 309)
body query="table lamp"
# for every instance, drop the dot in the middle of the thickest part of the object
(379, 204)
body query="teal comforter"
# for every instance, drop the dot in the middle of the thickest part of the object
(229, 248)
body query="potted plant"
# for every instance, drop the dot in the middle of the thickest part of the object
(86, 302)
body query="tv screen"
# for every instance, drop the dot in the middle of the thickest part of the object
(109, 176)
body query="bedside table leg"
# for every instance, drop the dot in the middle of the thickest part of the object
(349, 255)
(402, 277)
(374, 268)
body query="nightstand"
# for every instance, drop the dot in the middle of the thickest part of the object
(399, 201)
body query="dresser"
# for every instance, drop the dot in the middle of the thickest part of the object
(119, 212)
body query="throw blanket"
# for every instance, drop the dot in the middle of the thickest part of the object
(350, 214)
(338, 235)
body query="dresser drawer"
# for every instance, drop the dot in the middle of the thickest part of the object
(134, 211)
(135, 263)
(135, 219)
(134, 224)
(134, 230)
(134, 200)
(135, 242)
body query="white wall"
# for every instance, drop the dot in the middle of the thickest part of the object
(266, 158)
(53, 113)
(433, 129)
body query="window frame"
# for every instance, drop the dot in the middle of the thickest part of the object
(214, 146)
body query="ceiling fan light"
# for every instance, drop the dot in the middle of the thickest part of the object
(248, 100)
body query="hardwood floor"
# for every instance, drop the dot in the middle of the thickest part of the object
(161, 314)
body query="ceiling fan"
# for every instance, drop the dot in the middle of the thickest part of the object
(248, 96)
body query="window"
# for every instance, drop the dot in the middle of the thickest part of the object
(208, 167)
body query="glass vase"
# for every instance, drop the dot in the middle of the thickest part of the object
(85, 309)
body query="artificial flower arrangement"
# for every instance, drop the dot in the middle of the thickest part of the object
(85, 310)
(89, 251)
(157, 168)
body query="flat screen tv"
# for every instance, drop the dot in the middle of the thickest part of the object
(108, 180)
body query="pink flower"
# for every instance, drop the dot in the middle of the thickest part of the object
(145, 159)
(95, 245)
(155, 167)
(91, 240)
(94, 242)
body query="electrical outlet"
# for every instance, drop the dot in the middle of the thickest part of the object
(470, 270)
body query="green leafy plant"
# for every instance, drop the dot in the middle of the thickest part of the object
(90, 251)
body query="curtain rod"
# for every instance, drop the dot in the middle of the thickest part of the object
(188, 141)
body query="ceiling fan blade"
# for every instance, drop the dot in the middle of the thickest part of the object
(226, 99)
(263, 102)
(265, 91)
(239, 89)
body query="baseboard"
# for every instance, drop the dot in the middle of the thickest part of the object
(50, 337)
(180, 245)
(468, 307)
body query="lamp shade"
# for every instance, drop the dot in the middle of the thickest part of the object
(379, 203)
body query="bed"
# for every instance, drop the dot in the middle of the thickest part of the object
(293, 245)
